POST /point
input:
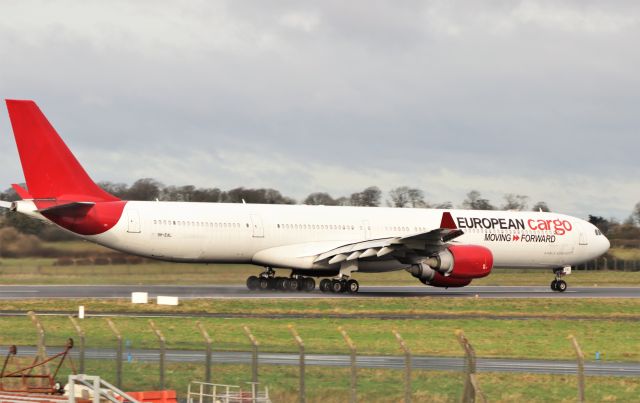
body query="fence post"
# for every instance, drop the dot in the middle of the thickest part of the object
(254, 354)
(163, 343)
(580, 359)
(81, 337)
(407, 366)
(472, 390)
(606, 263)
(354, 370)
(42, 345)
(207, 364)
(116, 332)
(302, 392)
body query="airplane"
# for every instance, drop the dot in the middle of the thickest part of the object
(441, 248)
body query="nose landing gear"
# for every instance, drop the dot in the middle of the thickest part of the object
(558, 284)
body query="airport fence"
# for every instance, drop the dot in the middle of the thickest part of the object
(202, 367)
(610, 263)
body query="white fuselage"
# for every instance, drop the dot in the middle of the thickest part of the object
(288, 235)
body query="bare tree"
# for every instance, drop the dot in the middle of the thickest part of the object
(370, 197)
(144, 189)
(515, 202)
(405, 196)
(320, 198)
(117, 189)
(636, 213)
(474, 201)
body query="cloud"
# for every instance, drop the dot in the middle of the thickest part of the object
(534, 97)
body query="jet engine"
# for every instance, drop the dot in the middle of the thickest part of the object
(455, 266)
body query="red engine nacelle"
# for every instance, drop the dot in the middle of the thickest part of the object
(455, 266)
(467, 261)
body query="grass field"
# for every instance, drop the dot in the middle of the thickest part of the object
(610, 326)
(507, 328)
(376, 385)
(615, 337)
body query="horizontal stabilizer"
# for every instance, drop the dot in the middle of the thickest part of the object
(75, 209)
(5, 204)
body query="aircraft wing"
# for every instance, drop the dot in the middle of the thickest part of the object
(5, 204)
(421, 244)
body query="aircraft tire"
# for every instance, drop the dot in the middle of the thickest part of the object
(325, 285)
(554, 285)
(309, 284)
(264, 283)
(353, 286)
(561, 286)
(293, 284)
(253, 283)
(336, 286)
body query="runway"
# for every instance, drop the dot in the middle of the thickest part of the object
(594, 368)
(23, 292)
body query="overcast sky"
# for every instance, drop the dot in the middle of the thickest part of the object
(540, 98)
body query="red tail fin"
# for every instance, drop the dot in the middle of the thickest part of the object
(50, 169)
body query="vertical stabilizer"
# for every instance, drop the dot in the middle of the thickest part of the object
(50, 169)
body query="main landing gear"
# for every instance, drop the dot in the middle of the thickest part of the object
(343, 282)
(268, 281)
(558, 284)
(338, 285)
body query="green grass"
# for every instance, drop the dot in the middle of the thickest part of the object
(373, 385)
(550, 308)
(542, 338)
(608, 330)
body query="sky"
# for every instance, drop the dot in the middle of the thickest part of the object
(540, 98)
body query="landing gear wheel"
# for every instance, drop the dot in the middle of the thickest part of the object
(554, 284)
(253, 283)
(336, 286)
(561, 286)
(264, 283)
(353, 286)
(309, 284)
(293, 284)
(325, 285)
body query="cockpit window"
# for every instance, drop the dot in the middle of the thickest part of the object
(598, 232)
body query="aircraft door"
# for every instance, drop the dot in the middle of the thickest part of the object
(256, 225)
(366, 228)
(584, 239)
(133, 221)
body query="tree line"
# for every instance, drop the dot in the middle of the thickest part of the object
(148, 189)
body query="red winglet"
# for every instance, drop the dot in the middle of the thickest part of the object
(447, 221)
(22, 192)
(50, 169)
